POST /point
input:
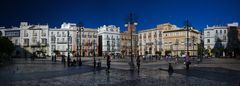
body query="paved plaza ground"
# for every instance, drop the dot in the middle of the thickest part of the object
(211, 72)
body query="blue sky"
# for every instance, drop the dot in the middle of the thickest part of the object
(95, 13)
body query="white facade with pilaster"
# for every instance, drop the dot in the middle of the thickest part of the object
(211, 34)
(110, 39)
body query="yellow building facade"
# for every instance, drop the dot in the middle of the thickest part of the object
(175, 41)
(150, 40)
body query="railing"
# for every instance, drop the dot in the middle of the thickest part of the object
(26, 45)
(62, 42)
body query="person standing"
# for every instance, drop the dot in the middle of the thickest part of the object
(138, 62)
(108, 63)
(187, 61)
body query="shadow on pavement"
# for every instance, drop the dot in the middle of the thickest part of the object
(211, 73)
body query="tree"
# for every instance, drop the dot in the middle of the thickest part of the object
(57, 52)
(218, 48)
(182, 52)
(123, 52)
(146, 52)
(6, 46)
(233, 45)
(159, 53)
(168, 52)
(6, 49)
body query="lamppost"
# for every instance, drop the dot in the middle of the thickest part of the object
(108, 45)
(193, 43)
(177, 43)
(68, 56)
(187, 26)
(130, 24)
(113, 47)
(80, 29)
(94, 54)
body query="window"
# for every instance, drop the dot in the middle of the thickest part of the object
(149, 35)
(34, 39)
(220, 31)
(144, 36)
(208, 33)
(25, 33)
(160, 34)
(53, 39)
(58, 34)
(63, 34)
(216, 31)
(34, 33)
(44, 41)
(208, 40)
(43, 33)
(26, 41)
(225, 31)
(53, 47)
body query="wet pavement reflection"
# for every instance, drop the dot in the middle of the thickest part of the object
(57, 74)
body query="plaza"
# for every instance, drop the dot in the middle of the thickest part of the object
(42, 72)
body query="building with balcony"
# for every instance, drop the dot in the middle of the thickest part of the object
(212, 33)
(110, 35)
(34, 38)
(150, 40)
(127, 38)
(89, 42)
(13, 34)
(175, 41)
(59, 38)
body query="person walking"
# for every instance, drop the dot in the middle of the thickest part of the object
(138, 62)
(108, 63)
(63, 59)
(187, 61)
(170, 69)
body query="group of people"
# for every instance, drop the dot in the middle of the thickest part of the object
(108, 61)
(138, 62)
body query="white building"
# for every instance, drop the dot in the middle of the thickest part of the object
(211, 34)
(34, 38)
(58, 39)
(28, 39)
(110, 38)
(13, 34)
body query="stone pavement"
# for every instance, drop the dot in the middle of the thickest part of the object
(118, 77)
(40, 73)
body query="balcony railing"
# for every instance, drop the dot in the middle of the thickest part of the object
(62, 42)
(26, 44)
(43, 44)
